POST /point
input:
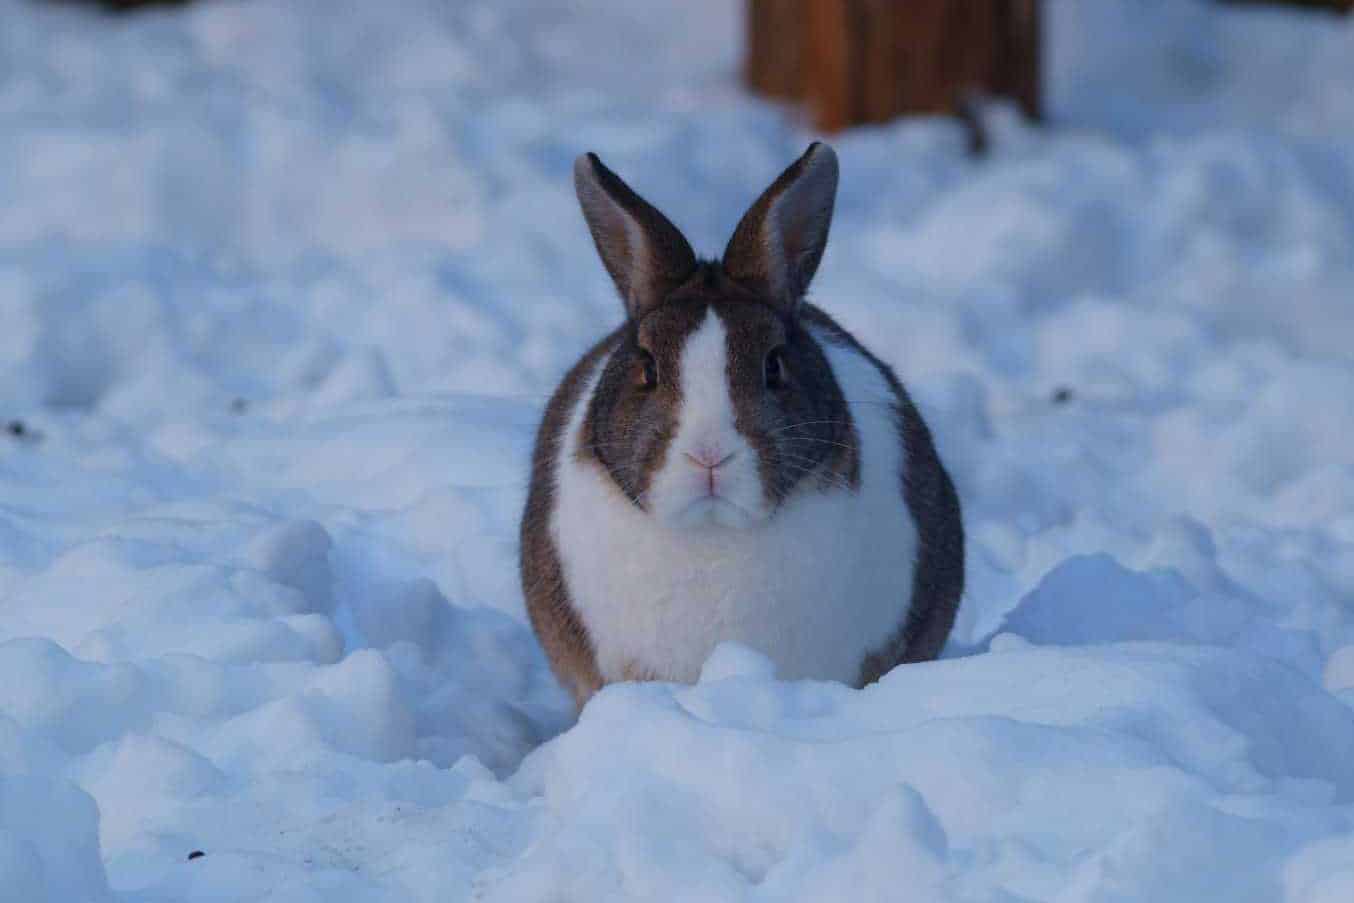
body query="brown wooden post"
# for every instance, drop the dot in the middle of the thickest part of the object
(880, 75)
(774, 63)
(864, 61)
(1022, 42)
(828, 78)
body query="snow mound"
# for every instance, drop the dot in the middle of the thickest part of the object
(1136, 771)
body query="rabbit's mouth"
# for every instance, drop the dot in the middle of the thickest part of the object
(714, 511)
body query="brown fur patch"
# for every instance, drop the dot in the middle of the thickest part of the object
(627, 428)
(803, 432)
(562, 635)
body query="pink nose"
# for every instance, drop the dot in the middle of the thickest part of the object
(708, 459)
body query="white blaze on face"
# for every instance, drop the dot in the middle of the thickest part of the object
(709, 475)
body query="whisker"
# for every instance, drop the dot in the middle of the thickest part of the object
(802, 459)
(833, 479)
(807, 423)
(823, 441)
(827, 479)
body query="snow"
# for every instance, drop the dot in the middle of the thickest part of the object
(284, 288)
(1173, 779)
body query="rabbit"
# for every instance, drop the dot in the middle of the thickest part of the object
(731, 464)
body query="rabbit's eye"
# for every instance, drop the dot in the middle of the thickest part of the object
(646, 372)
(775, 368)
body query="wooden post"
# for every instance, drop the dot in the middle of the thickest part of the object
(860, 61)
(774, 64)
(827, 65)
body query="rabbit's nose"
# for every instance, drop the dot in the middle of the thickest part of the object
(709, 459)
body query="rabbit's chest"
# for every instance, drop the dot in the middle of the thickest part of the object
(815, 591)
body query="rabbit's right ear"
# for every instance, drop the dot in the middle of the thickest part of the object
(644, 253)
(780, 240)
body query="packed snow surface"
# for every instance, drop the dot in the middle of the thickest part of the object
(284, 285)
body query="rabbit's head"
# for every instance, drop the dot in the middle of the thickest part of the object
(717, 404)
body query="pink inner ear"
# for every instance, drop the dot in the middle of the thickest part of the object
(796, 233)
(613, 231)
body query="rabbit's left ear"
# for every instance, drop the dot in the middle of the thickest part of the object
(643, 251)
(780, 240)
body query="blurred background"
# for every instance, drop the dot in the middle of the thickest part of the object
(254, 199)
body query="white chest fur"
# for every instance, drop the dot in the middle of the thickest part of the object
(817, 587)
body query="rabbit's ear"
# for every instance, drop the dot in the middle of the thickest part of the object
(644, 253)
(779, 242)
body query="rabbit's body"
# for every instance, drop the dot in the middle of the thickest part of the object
(732, 465)
(817, 588)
